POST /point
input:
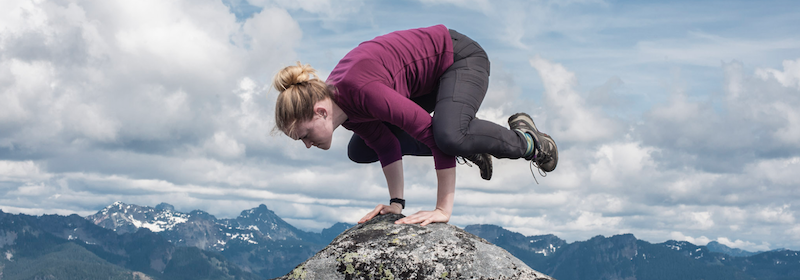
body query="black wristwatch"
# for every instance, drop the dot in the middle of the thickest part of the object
(398, 200)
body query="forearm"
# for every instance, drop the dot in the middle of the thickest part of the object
(394, 178)
(446, 190)
(444, 201)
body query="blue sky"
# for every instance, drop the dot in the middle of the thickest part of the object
(674, 119)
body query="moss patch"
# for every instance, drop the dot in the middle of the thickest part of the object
(298, 273)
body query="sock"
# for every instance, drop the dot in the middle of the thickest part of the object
(529, 139)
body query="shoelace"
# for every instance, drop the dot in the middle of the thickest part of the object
(544, 174)
(534, 164)
(461, 160)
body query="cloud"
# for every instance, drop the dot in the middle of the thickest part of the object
(751, 114)
(593, 221)
(789, 77)
(169, 101)
(701, 241)
(745, 245)
(224, 146)
(154, 73)
(573, 119)
(701, 48)
(619, 162)
(479, 5)
(738, 244)
(516, 22)
(142, 89)
(333, 15)
(21, 170)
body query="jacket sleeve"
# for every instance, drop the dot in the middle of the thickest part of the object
(387, 105)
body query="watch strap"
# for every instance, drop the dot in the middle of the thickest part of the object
(398, 200)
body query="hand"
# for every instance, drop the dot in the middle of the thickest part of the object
(381, 210)
(426, 217)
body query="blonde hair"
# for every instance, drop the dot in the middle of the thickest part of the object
(300, 88)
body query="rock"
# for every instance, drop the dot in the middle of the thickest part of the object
(380, 249)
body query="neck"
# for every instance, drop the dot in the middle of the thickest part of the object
(339, 117)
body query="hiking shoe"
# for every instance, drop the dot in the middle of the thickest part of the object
(484, 163)
(545, 152)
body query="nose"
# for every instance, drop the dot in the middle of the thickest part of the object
(308, 143)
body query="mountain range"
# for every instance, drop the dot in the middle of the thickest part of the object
(625, 257)
(126, 241)
(257, 240)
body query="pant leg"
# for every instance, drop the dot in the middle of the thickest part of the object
(462, 89)
(358, 151)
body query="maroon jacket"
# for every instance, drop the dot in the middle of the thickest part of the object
(377, 79)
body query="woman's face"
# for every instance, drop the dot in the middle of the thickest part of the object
(315, 132)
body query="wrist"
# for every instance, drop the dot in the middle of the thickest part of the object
(446, 207)
(444, 211)
(397, 205)
(399, 201)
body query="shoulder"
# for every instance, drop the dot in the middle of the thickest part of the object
(355, 72)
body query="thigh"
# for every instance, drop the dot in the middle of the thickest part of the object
(462, 89)
(465, 83)
(467, 80)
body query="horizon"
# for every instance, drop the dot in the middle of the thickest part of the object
(460, 226)
(675, 120)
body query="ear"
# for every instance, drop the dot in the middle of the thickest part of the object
(320, 109)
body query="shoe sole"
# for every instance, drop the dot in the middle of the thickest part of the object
(485, 174)
(488, 175)
(554, 157)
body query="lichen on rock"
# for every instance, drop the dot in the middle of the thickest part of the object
(380, 249)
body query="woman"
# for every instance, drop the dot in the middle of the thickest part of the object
(384, 91)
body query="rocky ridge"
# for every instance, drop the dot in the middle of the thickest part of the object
(380, 249)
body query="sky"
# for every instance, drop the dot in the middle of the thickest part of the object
(674, 119)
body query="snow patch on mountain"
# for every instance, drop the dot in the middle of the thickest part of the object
(120, 215)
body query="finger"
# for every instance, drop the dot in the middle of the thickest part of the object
(406, 220)
(426, 222)
(371, 214)
(413, 219)
(367, 217)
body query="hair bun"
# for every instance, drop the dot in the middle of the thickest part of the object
(292, 75)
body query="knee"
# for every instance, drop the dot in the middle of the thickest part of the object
(449, 141)
(361, 157)
(482, 62)
(359, 152)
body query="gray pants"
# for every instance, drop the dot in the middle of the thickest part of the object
(455, 128)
